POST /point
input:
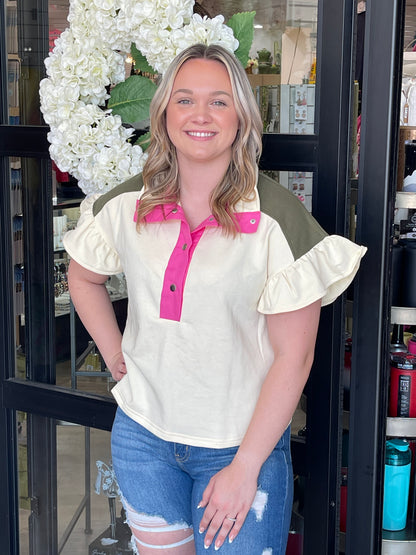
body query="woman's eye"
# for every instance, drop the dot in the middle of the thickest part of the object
(184, 101)
(219, 103)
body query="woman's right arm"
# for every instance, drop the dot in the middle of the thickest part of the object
(95, 309)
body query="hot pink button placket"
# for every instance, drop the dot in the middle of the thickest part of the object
(177, 269)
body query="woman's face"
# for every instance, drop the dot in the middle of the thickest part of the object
(201, 118)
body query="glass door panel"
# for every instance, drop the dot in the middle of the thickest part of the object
(26, 46)
(87, 514)
(76, 364)
(90, 514)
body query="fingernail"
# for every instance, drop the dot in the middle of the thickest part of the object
(201, 530)
(217, 547)
(199, 506)
(230, 540)
(206, 546)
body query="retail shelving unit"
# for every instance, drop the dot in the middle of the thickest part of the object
(402, 542)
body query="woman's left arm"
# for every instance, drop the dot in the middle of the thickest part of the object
(232, 490)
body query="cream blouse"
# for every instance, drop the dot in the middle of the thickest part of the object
(195, 344)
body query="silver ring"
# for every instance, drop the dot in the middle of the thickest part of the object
(232, 519)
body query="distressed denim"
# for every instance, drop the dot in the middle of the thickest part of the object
(167, 480)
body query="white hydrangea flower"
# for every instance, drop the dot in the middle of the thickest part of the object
(86, 140)
(205, 31)
(176, 14)
(58, 102)
(106, 5)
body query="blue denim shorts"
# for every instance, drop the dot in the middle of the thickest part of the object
(163, 479)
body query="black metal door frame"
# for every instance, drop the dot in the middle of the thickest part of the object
(331, 190)
(376, 191)
(327, 154)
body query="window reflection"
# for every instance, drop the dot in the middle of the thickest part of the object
(282, 57)
(13, 63)
(83, 466)
(78, 364)
(89, 514)
(299, 183)
(16, 212)
(282, 65)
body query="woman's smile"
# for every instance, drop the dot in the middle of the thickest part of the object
(201, 134)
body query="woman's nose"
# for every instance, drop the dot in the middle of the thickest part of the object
(201, 113)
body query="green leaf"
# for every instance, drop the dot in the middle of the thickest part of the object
(140, 61)
(242, 25)
(131, 99)
(143, 140)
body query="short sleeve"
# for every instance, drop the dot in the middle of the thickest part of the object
(90, 244)
(323, 272)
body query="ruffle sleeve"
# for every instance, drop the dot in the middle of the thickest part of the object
(90, 244)
(324, 272)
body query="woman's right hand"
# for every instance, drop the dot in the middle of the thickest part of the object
(117, 366)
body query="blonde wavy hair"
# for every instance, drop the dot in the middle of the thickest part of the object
(161, 173)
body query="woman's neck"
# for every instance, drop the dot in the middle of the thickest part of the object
(195, 204)
(200, 179)
(197, 182)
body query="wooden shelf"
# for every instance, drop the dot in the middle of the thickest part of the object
(264, 79)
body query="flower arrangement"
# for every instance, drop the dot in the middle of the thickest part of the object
(86, 99)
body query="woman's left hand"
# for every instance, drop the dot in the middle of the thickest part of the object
(227, 500)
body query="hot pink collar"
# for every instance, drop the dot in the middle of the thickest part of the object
(247, 221)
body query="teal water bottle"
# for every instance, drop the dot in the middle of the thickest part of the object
(396, 484)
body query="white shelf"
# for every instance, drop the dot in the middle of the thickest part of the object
(409, 64)
(401, 427)
(405, 200)
(402, 542)
(403, 315)
(399, 547)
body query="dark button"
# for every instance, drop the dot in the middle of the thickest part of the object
(174, 211)
(173, 287)
(184, 247)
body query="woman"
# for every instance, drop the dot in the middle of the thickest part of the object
(226, 274)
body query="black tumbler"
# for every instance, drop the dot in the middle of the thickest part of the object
(397, 272)
(408, 286)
